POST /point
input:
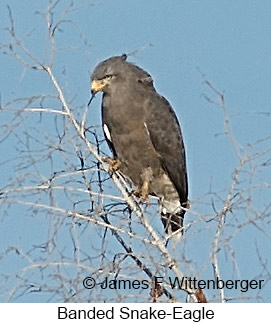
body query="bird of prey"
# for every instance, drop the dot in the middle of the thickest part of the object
(144, 136)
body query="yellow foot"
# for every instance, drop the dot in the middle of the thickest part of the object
(143, 193)
(114, 164)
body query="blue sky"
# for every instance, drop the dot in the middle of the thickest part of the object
(176, 42)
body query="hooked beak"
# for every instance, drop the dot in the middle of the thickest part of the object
(97, 85)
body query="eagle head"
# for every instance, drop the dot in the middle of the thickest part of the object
(117, 71)
(106, 72)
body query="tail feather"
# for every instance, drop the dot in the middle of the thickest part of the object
(173, 222)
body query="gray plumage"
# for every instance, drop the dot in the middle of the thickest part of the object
(144, 135)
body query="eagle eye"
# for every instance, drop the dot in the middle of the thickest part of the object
(108, 77)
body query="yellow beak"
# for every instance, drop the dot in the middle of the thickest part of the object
(97, 85)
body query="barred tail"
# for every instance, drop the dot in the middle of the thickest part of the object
(173, 222)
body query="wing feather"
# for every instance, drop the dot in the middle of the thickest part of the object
(166, 136)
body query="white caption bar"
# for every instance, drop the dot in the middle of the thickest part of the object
(159, 312)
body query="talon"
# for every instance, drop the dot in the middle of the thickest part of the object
(114, 164)
(143, 193)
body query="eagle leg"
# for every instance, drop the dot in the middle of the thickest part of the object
(114, 164)
(144, 190)
(144, 193)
